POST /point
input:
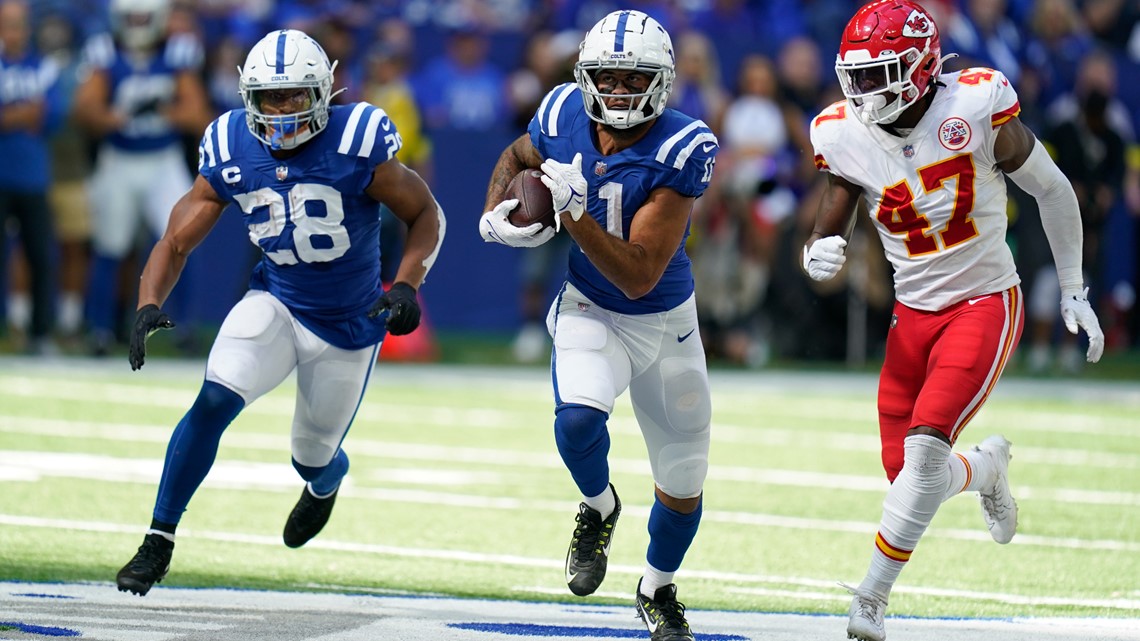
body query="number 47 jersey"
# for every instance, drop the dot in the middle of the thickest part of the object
(936, 195)
(318, 231)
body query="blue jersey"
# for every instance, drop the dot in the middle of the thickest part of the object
(25, 157)
(678, 152)
(140, 86)
(318, 231)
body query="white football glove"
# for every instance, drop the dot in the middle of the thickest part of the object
(824, 259)
(495, 228)
(1076, 312)
(567, 186)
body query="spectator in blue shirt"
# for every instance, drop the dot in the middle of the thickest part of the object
(461, 89)
(29, 108)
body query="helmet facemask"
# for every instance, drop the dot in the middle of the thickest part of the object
(890, 56)
(263, 82)
(879, 90)
(282, 130)
(626, 41)
(642, 106)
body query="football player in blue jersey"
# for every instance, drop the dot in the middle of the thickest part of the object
(624, 172)
(308, 179)
(141, 95)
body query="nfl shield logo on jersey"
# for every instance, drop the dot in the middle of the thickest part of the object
(600, 168)
(282, 172)
(954, 133)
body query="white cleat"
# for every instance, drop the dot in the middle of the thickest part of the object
(866, 623)
(998, 507)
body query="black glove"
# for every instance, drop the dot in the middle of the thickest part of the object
(148, 320)
(150, 106)
(403, 310)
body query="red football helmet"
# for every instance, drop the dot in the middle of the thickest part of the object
(888, 58)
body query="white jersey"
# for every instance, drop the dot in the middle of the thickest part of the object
(936, 195)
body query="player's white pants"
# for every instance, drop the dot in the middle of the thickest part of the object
(261, 343)
(129, 189)
(598, 354)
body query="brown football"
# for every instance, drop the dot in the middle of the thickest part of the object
(535, 203)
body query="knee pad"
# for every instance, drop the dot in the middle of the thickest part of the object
(681, 469)
(584, 445)
(215, 405)
(578, 427)
(926, 458)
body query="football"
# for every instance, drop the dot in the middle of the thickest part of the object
(535, 202)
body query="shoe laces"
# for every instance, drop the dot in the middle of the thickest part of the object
(310, 507)
(670, 613)
(868, 606)
(994, 502)
(152, 555)
(589, 535)
(993, 498)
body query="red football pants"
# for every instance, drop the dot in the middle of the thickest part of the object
(940, 366)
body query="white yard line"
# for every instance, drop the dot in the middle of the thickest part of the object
(275, 477)
(97, 611)
(732, 581)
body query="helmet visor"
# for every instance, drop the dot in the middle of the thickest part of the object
(862, 80)
(282, 112)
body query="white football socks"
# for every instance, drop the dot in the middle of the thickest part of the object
(605, 503)
(653, 579)
(166, 535)
(970, 471)
(910, 505)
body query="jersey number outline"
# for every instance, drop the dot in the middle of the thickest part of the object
(975, 76)
(305, 227)
(611, 193)
(898, 214)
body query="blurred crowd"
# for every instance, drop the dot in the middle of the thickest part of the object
(756, 71)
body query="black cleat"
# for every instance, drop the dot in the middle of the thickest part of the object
(308, 517)
(149, 566)
(589, 551)
(664, 615)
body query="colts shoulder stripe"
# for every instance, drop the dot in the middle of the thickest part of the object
(215, 147)
(224, 137)
(349, 133)
(548, 120)
(367, 131)
(704, 138)
(667, 147)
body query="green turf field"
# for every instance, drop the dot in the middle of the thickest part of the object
(456, 488)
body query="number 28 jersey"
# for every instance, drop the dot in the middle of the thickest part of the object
(318, 231)
(936, 195)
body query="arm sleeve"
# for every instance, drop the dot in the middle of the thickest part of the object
(1060, 213)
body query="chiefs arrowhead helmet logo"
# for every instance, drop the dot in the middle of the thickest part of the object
(918, 25)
